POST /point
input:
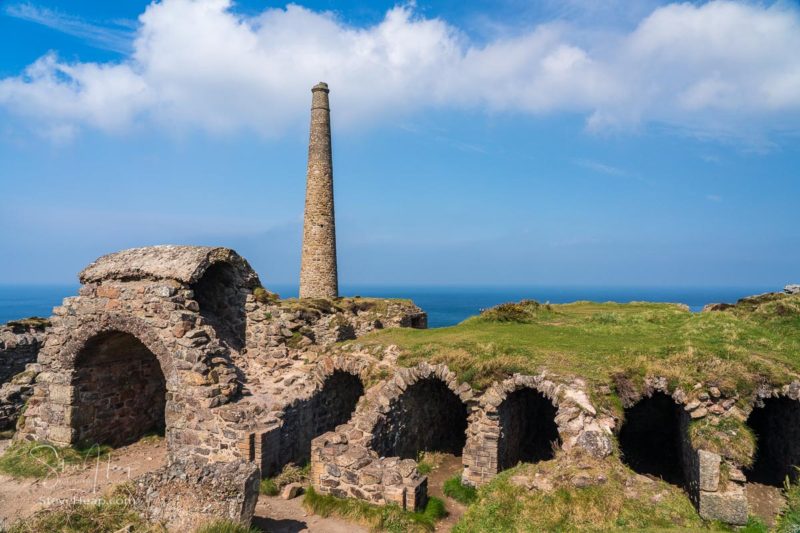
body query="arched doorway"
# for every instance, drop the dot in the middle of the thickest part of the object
(119, 390)
(776, 425)
(428, 416)
(527, 428)
(650, 438)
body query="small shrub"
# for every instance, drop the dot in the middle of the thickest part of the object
(264, 296)
(226, 526)
(521, 312)
(453, 488)
(268, 487)
(291, 473)
(789, 520)
(754, 525)
(434, 509)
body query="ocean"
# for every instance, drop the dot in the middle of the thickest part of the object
(445, 306)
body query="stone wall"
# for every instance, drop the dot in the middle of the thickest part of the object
(345, 462)
(189, 493)
(131, 298)
(19, 346)
(120, 391)
(566, 419)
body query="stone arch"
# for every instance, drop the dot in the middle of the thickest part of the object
(103, 383)
(528, 431)
(119, 391)
(338, 386)
(131, 325)
(424, 410)
(520, 419)
(776, 424)
(652, 437)
(222, 302)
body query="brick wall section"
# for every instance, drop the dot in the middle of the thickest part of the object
(318, 276)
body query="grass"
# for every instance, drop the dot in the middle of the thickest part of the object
(39, 460)
(389, 518)
(226, 526)
(735, 350)
(729, 438)
(461, 493)
(789, 521)
(290, 474)
(613, 502)
(23, 325)
(100, 517)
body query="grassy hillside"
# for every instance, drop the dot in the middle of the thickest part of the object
(757, 340)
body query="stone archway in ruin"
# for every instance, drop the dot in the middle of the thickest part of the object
(776, 425)
(119, 390)
(427, 416)
(222, 304)
(331, 405)
(651, 438)
(528, 430)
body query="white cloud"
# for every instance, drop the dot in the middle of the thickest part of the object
(116, 38)
(720, 69)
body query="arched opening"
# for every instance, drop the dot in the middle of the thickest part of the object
(777, 428)
(120, 391)
(651, 438)
(528, 430)
(222, 303)
(428, 416)
(305, 420)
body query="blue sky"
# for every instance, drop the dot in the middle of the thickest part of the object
(589, 143)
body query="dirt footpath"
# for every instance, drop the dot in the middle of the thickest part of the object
(20, 498)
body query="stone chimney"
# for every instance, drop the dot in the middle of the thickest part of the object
(318, 276)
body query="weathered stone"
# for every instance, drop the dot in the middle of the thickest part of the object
(729, 507)
(291, 491)
(708, 476)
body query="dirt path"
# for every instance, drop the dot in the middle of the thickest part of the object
(445, 466)
(765, 501)
(276, 515)
(20, 498)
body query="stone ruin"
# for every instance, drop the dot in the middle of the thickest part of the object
(172, 339)
(184, 340)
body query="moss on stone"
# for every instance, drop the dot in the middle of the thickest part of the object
(724, 436)
(24, 325)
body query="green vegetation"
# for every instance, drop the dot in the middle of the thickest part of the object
(587, 495)
(789, 521)
(101, 517)
(39, 460)
(356, 304)
(735, 349)
(455, 489)
(264, 296)
(226, 526)
(726, 436)
(290, 474)
(25, 324)
(389, 518)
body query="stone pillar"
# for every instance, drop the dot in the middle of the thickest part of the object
(318, 276)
